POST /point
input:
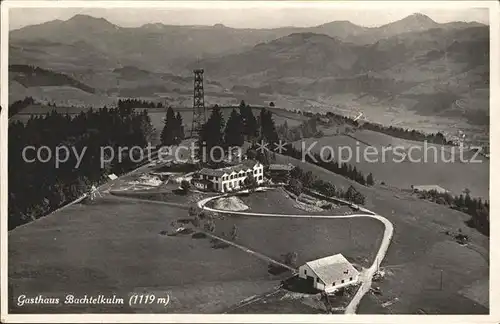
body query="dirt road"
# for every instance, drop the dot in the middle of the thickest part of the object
(366, 275)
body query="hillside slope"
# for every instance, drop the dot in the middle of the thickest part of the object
(31, 76)
(433, 72)
(297, 55)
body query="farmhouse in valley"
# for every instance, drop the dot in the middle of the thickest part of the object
(229, 178)
(329, 273)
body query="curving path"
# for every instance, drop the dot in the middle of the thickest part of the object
(366, 276)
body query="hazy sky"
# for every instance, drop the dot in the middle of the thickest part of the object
(241, 18)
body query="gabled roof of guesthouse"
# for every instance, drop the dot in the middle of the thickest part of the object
(250, 163)
(332, 268)
(212, 172)
(244, 166)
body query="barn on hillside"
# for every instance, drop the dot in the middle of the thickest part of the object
(329, 273)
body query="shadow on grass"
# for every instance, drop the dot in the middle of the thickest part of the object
(276, 269)
(182, 168)
(180, 192)
(299, 285)
(218, 244)
(199, 235)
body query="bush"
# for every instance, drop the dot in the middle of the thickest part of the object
(210, 226)
(462, 239)
(193, 211)
(295, 186)
(354, 196)
(196, 221)
(217, 244)
(250, 182)
(290, 259)
(185, 185)
(199, 235)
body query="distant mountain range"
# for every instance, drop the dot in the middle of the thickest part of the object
(161, 47)
(415, 62)
(316, 55)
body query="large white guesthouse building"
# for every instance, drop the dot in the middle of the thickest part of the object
(229, 178)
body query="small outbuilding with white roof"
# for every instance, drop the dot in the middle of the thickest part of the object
(329, 273)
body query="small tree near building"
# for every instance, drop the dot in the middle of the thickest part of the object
(290, 259)
(295, 186)
(210, 226)
(193, 211)
(250, 183)
(185, 185)
(354, 196)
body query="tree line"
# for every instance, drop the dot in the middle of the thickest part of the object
(413, 135)
(19, 105)
(241, 126)
(300, 180)
(344, 169)
(137, 103)
(37, 188)
(33, 76)
(307, 129)
(478, 209)
(398, 132)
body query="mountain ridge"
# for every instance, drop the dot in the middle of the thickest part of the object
(414, 62)
(165, 48)
(86, 17)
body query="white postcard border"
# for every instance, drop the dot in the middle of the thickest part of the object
(493, 317)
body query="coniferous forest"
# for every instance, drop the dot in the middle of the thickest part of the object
(37, 188)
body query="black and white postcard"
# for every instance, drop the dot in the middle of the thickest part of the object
(235, 161)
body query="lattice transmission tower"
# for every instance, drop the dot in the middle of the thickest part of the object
(199, 112)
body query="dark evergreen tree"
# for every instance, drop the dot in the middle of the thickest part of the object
(212, 136)
(267, 126)
(369, 180)
(233, 133)
(249, 122)
(179, 127)
(169, 134)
